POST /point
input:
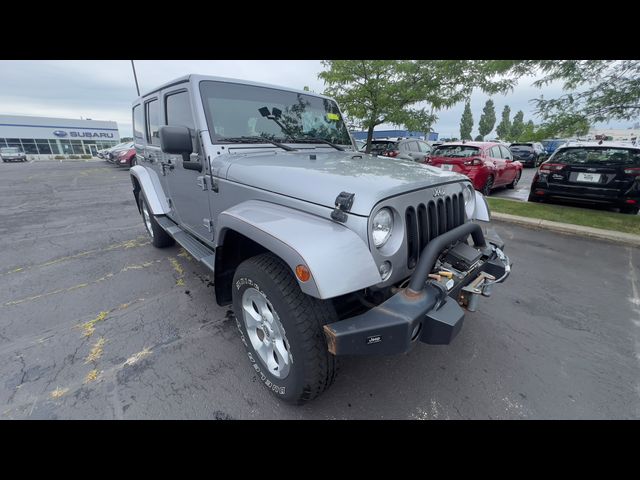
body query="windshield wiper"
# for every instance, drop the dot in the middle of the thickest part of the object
(317, 140)
(256, 139)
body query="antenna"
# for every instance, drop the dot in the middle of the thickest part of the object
(135, 77)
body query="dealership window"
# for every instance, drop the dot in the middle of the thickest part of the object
(77, 147)
(153, 122)
(138, 121)
(43, 147)
(3, 142)
(55, 150)
(29, 146)
(66, 147)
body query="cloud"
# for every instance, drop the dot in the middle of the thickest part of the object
(104, 89)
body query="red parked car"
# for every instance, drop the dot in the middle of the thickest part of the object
(487, 164)
(125, 157)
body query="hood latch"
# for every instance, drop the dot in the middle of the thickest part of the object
(344, 201)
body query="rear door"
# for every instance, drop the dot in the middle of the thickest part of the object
(187, 187)
(495, 157)
(510, 170)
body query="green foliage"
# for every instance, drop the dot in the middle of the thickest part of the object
(487, 119)
(126, 139)
(597, 90)
(466, 123)
(517, 127)
(479, 138)
(408, 92)
(504, 127)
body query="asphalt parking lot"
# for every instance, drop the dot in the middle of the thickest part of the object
(96, 323)
(521, 192)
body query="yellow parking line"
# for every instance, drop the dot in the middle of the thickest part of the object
(136, 242)
(81, 285)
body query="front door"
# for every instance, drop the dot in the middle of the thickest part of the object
(187, 187)
(152, 156)
(92, 150)
(499, 163)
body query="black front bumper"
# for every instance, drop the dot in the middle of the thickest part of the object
(425, 311)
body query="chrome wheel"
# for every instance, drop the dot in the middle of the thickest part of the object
(147, 218)
(266, 333)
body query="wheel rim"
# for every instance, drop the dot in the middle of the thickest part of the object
(266, 333)
(147, 219)
(517, 179)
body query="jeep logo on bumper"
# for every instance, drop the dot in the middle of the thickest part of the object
(439, 192)
(374, 339)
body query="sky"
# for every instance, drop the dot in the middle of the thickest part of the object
(104, 89)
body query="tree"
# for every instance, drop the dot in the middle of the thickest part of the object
(466, 123)
(408, 92)
(504, 127)
(517, 127)
(479, 138)
(597, 90)
(487, 119)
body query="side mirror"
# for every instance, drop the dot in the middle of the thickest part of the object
(177, 141)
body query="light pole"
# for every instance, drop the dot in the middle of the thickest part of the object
(135, 77)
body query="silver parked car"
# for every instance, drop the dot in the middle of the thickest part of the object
(12, 154)
(320, 251)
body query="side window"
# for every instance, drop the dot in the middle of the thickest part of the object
(424, 147)
(153, 122)
(506, 154)
(495, 152)
(138, 122)
(412, 146)
(178, 113)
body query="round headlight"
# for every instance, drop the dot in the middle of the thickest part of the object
(469, 196)
(382, 227)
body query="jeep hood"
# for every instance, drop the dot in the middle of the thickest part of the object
(320, 180)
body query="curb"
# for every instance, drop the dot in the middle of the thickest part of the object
(569, 229)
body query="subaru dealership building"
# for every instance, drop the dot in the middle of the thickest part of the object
(57, 136)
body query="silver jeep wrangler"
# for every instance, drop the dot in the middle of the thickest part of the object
(322, 251)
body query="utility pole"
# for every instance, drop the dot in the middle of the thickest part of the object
(135, 77)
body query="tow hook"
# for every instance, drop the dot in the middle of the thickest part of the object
(471, 293)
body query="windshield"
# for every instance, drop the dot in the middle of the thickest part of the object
(381, 147)
(455, 151)
(597, 156)
(234, 111)
(9, 150)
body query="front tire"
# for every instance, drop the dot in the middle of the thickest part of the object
(513, 184)
(159, 238)
(281, 329)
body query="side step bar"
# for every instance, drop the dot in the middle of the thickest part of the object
(197, 250)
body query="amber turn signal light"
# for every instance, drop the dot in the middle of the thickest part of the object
(303, 273)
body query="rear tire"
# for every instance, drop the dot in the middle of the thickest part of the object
(159, 238)
(487, 187)
(291, 359)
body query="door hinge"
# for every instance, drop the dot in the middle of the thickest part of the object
(208, 224)
(202, 182)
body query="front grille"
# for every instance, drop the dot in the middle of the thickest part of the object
(426, 222)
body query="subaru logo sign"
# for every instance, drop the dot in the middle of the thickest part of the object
(60, 133)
